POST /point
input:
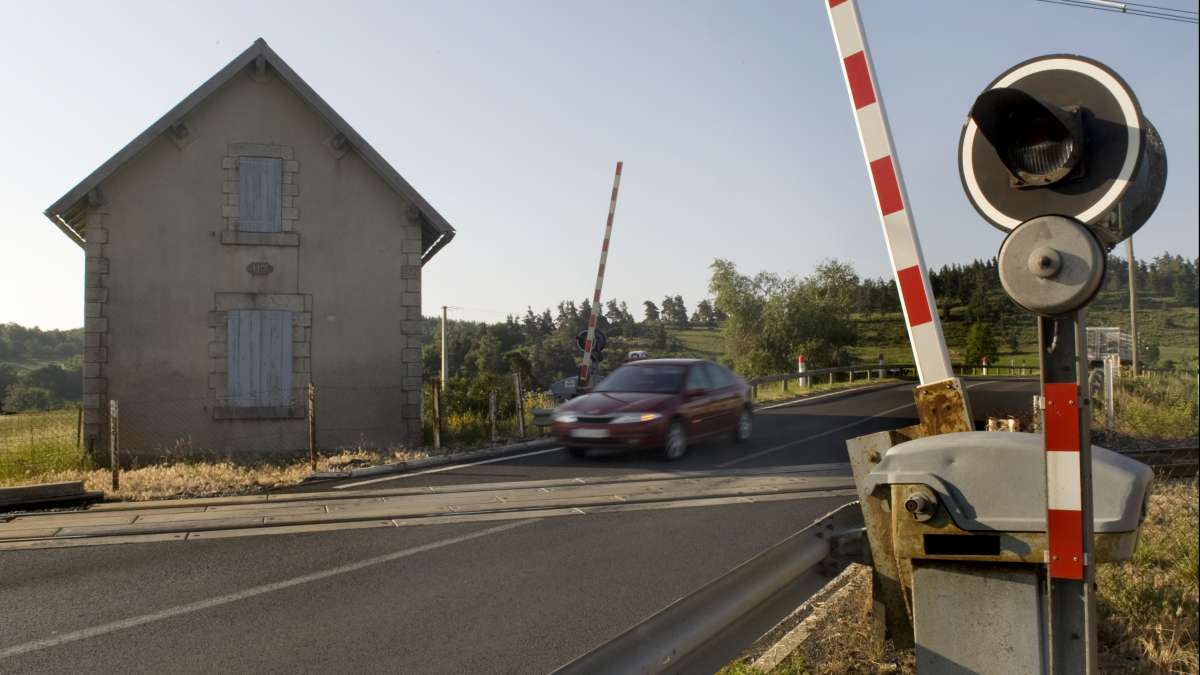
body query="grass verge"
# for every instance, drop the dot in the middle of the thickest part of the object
(186, 479)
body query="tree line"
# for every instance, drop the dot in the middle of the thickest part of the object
(765, 319)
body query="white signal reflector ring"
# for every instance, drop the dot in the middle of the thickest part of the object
(1132, 119)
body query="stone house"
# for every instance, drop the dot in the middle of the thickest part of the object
(246, 244)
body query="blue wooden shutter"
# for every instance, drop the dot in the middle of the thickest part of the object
(275, 366)
(259, 358)
(260, 180)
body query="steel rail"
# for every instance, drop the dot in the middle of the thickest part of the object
(668, 640)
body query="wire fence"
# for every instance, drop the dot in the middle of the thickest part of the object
(1153, 417)
(40, 442)
(267, 425)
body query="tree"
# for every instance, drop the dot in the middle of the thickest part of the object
(704, 314)
(981, 344)
(8, 377)
(21, 396)
(771, 319)
(1013, 338)
(61, 383)
(652, 315)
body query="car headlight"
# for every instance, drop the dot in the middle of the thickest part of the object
(566, 418)
(628, 418)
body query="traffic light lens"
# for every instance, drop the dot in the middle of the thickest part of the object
(1043, 148)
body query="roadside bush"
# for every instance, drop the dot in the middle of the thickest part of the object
(24, 397)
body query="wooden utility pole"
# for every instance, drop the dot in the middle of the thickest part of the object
(520, 406)
(437, 414)
(492, 413)
(443, 378)
(114, 436)
(312, 425)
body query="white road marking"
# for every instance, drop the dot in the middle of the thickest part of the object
(179, 610)
(448, 467)
(827, 432)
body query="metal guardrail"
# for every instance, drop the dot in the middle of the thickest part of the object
(667, 640)
(891, 369)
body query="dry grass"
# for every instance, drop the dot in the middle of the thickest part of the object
(1149, 606)
(840, 639)
(180, 480)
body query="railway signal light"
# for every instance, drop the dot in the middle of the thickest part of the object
(1064, 136)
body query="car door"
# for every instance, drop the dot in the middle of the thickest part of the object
(727, 400)
(698, 408)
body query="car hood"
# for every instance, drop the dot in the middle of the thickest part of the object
(608, 402)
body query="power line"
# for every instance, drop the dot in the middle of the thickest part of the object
(1124, 8)
(1166, 9)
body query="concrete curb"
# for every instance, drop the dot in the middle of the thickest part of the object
(437, 460)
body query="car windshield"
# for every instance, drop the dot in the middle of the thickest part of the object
(650, 379)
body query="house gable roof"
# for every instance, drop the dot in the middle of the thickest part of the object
(68, 212)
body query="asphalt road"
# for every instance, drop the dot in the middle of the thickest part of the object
(813, 432)
(515, 597)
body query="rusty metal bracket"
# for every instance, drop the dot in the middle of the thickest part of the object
(942, 408)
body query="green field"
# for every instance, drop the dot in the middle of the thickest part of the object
(38, 442)
(1173, 329)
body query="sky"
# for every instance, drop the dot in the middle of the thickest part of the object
(731, 118)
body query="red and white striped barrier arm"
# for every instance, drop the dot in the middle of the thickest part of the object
(585, 370)
(1064, 494)
(916, 298)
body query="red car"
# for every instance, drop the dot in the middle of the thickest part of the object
(657, 403)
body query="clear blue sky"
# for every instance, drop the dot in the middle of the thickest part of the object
(731, 118)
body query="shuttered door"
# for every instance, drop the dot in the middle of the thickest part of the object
(259, 358)
(259, 193)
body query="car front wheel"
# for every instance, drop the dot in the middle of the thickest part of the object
(745, 426)
(675, 446)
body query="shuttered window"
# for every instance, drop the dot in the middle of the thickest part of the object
(260, 180)
(259, 355)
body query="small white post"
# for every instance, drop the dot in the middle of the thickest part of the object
(800, 369)
(1111, 367)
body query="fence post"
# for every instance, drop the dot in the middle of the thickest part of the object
(851, 375)
(492, 414)
(79, 427)
(831, 379)
(113, 447)
(312, 425)
(437, 413)
(785, 385)
(520, 406)
(1111, 366)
